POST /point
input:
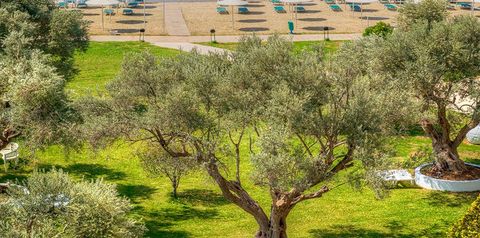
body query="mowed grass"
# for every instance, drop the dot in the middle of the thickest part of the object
(328, 46)
(102, 61)
(201, 211)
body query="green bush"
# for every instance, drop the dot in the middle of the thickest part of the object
(469, 225)
(53, 205)
(381, 29)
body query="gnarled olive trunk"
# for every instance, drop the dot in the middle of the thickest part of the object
(277, 227)
(445, 150)
(447, 158)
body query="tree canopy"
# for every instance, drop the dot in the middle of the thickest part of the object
(440, 65)
(38, 24)
(305, 119)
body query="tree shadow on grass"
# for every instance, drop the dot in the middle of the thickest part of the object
(134, 192)
(11, 177)
(202, 197)
(155, 230)
(160, 221)
(88, 171)
(396, 229)
(446, 199)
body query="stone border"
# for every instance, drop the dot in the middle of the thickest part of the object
(446, 185)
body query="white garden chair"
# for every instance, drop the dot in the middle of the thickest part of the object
(9, 153)
(398, 176)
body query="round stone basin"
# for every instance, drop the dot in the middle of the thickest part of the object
(446, 185)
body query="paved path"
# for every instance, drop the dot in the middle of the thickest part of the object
(185, 46)
(175, 24)
(222, 39)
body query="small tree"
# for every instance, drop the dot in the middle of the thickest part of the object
(306, 120)
(469, 225)
(380, 29)
(52, 205)
(440, 67)
(158, 162)
(426, 11)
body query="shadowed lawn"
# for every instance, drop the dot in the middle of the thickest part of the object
(201, 211)
(329, 46)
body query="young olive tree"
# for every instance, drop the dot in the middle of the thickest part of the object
(306, 120)
(53, 205)
(158, 162)
(441, 66)
(426, 11)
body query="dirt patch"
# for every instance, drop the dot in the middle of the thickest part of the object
(472, 173)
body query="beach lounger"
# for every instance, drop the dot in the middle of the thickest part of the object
(127, 11)
(61, 4)
(132, 4)
(243, 10)
(355, 8)
(466, 6)
(330, 1)
(335, 8)
(82, 5)
(108, 12)
(279, 9)
(300, 9)
(398, 176)
(222, 10)
(391, 7)
(384, 1)
(276, 2)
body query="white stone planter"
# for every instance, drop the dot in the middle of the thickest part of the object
(446, 185)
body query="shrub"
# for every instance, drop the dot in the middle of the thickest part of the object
(381, 29)
(52, 205)
(469, 225)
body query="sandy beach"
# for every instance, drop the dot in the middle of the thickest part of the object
(200, 16)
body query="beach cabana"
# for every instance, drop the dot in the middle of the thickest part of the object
(293, 5)
(232, 4)
(103, 4)
(361, 3)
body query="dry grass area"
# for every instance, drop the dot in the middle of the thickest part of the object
(262, 19)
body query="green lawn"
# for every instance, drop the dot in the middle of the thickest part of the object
(101, 62)
(202, 212)
(329, 46)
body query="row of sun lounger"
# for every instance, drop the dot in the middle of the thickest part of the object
(84, 3)
(336, 7)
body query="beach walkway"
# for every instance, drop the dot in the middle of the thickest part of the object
(175, 24)
(185, 46)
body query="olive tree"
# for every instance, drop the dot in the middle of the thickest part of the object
(53, 205)
(305, 120)
(36, 40)
(426, 11)
(44, 27)
(441, 67)
(34, 105)
(158, 162)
